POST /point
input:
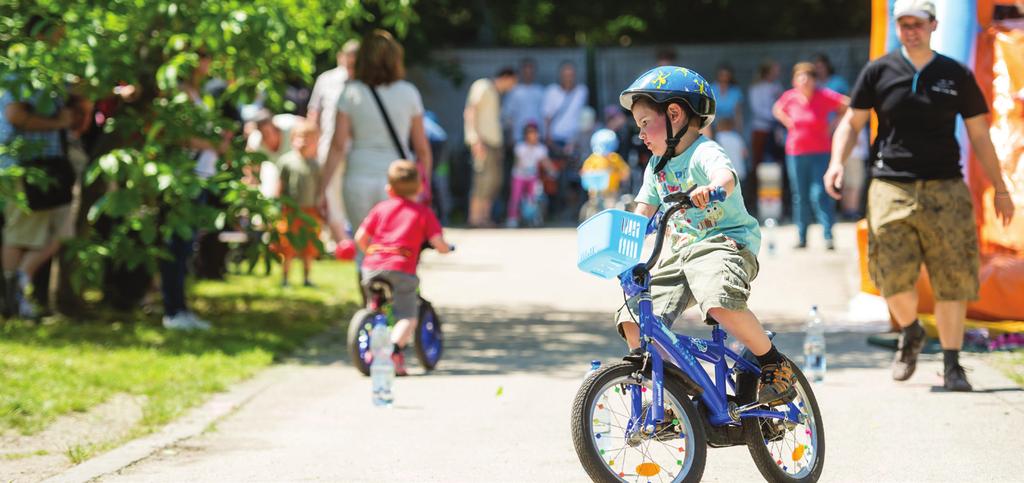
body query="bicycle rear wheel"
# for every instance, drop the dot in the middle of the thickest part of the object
(601, 413)
(783, 451)
(359, 340)
(429, 337)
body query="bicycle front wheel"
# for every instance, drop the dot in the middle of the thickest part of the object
(784, 451)
(602, 419)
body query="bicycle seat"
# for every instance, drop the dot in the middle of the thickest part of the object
(378, 287)
(710, 320)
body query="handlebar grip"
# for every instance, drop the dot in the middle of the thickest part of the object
(718, 194)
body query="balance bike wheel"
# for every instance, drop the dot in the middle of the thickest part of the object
(429, 337)
(359, 340)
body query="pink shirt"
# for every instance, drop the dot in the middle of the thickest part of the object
(810, 132)
(397, 228)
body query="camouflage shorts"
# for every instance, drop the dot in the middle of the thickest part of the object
(930, 221)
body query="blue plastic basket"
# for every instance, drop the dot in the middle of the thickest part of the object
(610, 242)
(595, 180)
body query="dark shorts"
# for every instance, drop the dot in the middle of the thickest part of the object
(929, 221)
(404, 291)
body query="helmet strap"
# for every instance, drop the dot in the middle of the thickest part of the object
(671, 141)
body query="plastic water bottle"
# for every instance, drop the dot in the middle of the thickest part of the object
(814, 346)
(382, 369)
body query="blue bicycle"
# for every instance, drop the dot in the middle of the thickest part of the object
(652, 416)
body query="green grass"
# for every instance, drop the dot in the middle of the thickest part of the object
(28, 454)
(1012, 364)
(63, 366)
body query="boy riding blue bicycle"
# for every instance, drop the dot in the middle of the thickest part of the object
(712, 247)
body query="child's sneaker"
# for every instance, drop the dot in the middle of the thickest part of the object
(398, 358)
(776, 384)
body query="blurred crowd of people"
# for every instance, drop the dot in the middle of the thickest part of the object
(537, 154)
(532, 145)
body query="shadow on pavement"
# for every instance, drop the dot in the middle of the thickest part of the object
(499, 340)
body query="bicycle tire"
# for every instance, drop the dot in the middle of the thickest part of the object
(357, 328)
(429, 336)
(753, 432)
(582, 424)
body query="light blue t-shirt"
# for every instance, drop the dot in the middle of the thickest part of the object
(695, 167)
(726, 104)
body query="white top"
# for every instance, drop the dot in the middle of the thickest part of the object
(528, 156)
(522, 104)
(564, 108)
(762, 97)
(484, 98)
(372, 148)
(324, 98)
(734, 146)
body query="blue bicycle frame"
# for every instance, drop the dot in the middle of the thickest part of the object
(684, 352)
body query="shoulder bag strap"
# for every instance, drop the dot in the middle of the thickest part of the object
(387, 121)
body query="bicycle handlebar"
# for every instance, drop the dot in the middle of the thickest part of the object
(677, 201)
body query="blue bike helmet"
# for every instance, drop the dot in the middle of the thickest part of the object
(604, 141)
(672, 84)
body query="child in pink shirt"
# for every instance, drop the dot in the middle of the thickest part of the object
(391, 236)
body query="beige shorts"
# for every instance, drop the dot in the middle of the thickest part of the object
(712, 273)
(929, 221)
(487, 174)
(34, 229)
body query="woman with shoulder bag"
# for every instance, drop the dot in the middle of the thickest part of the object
(378, 114)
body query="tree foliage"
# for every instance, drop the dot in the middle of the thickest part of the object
(142, 174)
(545, 23)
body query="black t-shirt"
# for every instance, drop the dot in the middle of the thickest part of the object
(917, 114)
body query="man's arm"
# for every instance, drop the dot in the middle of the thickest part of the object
(476, 145)
(20, 115)
(843, 141)
(981, 142)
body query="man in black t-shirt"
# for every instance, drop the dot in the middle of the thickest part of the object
(919, 208)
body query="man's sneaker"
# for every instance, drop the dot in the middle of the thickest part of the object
(398, 358)
(197, 323)
(910, 343)
(954, 379)
(178, 321)
(776, 384)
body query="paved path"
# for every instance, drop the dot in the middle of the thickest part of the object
(522, 325)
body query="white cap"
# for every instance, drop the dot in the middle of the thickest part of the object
(922, 9)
